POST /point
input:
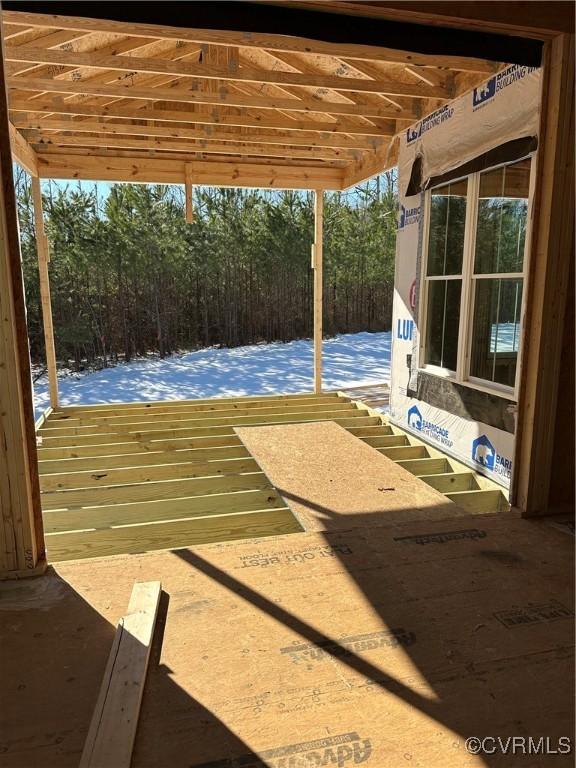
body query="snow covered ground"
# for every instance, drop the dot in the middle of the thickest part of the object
(263, 369)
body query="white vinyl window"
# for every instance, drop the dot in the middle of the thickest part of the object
(444, 273)
(473, 275)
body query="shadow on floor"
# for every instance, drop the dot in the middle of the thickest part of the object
(469, 635)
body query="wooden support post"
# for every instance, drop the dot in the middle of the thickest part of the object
(318, 285)
(21, 532)
(189, 199)
(43, 259)
(552, 250)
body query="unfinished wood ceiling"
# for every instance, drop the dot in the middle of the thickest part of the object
(106, 100)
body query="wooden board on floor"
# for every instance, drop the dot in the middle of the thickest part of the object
(113, 727)
(376, 647)
(333, 480)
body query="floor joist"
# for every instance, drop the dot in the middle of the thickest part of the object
(131, 477)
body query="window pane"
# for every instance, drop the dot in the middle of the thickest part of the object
(446, 236)
(496, 330)
(502, 213)
(442, 323)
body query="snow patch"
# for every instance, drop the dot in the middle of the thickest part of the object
(262, 369)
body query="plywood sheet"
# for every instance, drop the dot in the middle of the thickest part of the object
(333, 480)
(376, 647)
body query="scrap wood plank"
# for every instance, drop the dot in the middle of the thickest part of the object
(113, 727)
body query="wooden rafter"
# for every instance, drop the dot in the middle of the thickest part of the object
(91, 96)
(223, 97)
(205, 134)
(201, 71)
(249, 40)
(55, 106)
(177, 145)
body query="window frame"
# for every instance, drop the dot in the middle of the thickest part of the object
(463, 359)
(425, 279)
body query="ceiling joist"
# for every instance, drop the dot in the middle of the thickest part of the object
(100, 99)
(223, 97)
(205, 71)
(57, 106)
(250, 40)
(202, 133)
(205, 147)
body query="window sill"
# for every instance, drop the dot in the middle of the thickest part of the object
(498, 390)
(443, 373)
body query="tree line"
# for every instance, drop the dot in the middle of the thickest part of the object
(129, 276)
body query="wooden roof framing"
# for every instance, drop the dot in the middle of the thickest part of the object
(98, 99)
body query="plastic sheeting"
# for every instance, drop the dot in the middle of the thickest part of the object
(504, 108)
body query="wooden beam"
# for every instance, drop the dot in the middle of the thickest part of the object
(385, 158)
(402, 105)
(112, 731)
(22, 152)
(147, 474)
(202, 133)
(232, 98)
(189, 195)
(21, 533)
(174, 436)
(318, 287)
(43, 260)
(178, 145)
(165, 511)
(552, 249)
(210, 173)
(122, 425)
(171, 534)
(174, 411)
(115, 48)
(248, 40)
(306, 163)
(57, 106)
(204, 71)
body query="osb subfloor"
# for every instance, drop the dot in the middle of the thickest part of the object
(383, 646)
(331, 480)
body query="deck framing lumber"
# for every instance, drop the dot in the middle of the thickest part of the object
(138, 460)
(163, 510)
(225, 427)
(147, 474)
(174, 416)
(200, 484)
(173, 534)
(163, 489)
